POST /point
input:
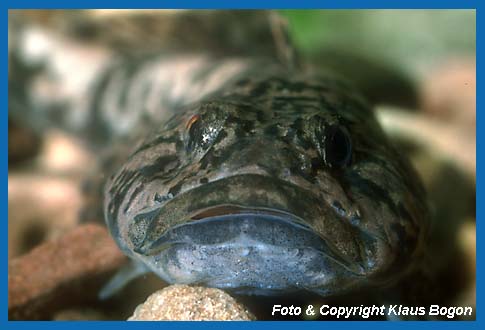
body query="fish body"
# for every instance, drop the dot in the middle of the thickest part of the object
(247, 172)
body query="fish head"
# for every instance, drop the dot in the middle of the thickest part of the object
(273, 185)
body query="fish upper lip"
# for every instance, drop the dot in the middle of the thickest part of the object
(235, 205)
(229, 209)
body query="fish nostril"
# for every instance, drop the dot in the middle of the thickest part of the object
(286, 172)
(339, 208)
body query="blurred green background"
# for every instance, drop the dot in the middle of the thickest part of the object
(410, 39)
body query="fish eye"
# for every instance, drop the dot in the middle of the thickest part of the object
(201, 132)
(337, 147)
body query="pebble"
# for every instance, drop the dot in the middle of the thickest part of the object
(187, 303)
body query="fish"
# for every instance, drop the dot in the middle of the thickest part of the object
(276, 183)
(242, 169)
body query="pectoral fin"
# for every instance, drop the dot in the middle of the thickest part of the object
(128, 272)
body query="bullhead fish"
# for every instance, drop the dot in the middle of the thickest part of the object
(242, 168)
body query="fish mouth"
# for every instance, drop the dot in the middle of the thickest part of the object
(250, 250)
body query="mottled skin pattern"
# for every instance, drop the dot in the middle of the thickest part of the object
(238, 136)
(264, 143)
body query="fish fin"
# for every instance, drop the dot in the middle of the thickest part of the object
(126, 274)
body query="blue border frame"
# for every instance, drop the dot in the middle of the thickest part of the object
(284, 4)
(248, 4)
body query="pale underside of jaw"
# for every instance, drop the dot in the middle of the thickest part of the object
(248, 252)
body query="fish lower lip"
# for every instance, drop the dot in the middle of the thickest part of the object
(239, 248)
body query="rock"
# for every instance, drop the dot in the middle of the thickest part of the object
(53, 207)
(449, 92)
(49, 184)
(61, 273)
(443, 139)
(23, 144)
(183, 302)
(65, 155)
(467, 240)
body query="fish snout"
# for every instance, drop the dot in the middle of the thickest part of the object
(271, 157)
